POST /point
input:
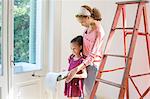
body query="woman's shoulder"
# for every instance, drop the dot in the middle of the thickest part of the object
(100, 30)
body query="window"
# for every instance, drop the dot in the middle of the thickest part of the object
(26, 35)
(0, 37)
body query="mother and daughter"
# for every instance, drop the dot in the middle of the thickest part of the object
(86, 52)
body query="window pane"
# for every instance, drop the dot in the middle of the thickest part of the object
(25, 35)
(0, 37)
(21, 31)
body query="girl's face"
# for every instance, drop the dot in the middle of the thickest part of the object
(84, 21)
(75, 47)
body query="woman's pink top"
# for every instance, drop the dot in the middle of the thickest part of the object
(92, 45)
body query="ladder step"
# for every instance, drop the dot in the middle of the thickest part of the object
(139, 75)
(111, 70)
(109, 83)
(139, 33)
(122, 56)
(132, 2)
(125, 28)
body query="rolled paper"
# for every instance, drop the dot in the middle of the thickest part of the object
(52, 78)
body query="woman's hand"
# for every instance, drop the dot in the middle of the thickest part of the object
(71, 74)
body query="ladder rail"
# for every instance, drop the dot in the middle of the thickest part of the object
(131, 49)
(148, 89)
(101, 67)
(146, 31)
(125, 43)
(135, 86)
(118, 11)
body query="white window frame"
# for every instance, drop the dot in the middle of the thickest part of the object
(27, 67)
(1, 38)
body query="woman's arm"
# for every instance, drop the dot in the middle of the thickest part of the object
(83, 75)
(96, 50)
(73, 72)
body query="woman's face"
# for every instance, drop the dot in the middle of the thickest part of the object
(84, 21)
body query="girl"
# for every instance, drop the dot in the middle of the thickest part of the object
(92, 45)
(74, 89)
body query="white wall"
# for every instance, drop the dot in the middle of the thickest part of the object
(67, 27)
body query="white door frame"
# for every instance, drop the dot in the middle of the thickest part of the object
(4, 78)
(11, 82)
(24, 83)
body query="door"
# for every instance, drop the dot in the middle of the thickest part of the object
(26, 50)
(3, 50)
(23, 50)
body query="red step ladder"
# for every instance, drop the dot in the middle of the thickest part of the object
(141, 10)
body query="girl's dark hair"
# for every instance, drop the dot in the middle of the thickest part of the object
(78, 40)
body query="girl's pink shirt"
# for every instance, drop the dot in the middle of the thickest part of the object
(92, 45)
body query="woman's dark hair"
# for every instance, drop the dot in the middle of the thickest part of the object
(96, 15)
(78, 40)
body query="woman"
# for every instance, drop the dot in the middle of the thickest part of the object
(92, 45)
